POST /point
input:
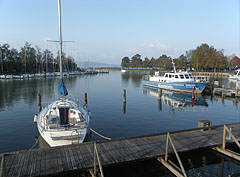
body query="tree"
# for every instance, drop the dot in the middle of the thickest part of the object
(136, 61)
(125, 62)
(205, 57)
(181, 62)
(146, 62)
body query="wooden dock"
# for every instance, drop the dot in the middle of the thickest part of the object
(211, 74)
(226, 92)
(77, 158)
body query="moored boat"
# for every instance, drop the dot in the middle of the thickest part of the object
(235, 76)
(64, 121)
(176, 81)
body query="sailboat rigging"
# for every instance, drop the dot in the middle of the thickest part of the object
(64, 121)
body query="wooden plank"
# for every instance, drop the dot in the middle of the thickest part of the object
(20, 165)
(9, 163)
(25, 166)
(170, 167)
(33, 163)
(227, 152)
(38, 164)
(42, 170)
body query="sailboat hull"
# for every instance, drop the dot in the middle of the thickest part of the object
(54, 132)
(55, 139)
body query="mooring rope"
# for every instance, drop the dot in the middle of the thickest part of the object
(100, 134)
(35, 143)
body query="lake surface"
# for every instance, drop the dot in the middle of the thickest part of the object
(144, 113)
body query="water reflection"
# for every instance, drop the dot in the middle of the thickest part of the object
(134, 76)
(175, 100)
(12, 91)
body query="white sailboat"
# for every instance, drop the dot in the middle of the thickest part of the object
(236, 75)
(63, 122)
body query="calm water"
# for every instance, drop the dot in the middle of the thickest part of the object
(144, 114)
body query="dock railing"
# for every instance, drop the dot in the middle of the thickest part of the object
(223, 149)
(169, 164)
(96, 158)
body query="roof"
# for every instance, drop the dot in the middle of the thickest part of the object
(235, 61)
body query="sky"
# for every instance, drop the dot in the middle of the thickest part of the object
(107, 30)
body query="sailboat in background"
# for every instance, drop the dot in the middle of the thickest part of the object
(64, 121)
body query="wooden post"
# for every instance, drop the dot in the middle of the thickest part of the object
(2, 174)
(39, 102)
(224, 138)
(236, 90)
(124, 107)
(85, 98)
(159, 93)
(222, 90)
(94, 162)
(159, 104)
(193, 93)
(124, 96)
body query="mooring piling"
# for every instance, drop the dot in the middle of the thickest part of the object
(124, 96)
(159, 93)
(124, 108)
(85, 98)
(39, 102)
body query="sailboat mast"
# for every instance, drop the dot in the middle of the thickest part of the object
(174, 67)
(60, 37)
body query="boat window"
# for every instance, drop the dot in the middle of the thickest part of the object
(190, 75)
(176, 76)
(181, 76)
(166, 75)
(187, 77)
(170, 75)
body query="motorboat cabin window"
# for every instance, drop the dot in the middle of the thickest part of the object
(64, 116)
(176, 76)
(170, 75)
(190, 75)
(166, 75)
(181, 76)
(187, 77)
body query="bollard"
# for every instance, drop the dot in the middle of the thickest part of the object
(124, 96)
(159, 93)
(39, 102)
(85, 98)
(205, 124)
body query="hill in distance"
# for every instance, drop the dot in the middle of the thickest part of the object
(95, 65)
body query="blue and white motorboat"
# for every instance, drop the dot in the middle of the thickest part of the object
(176, 81)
